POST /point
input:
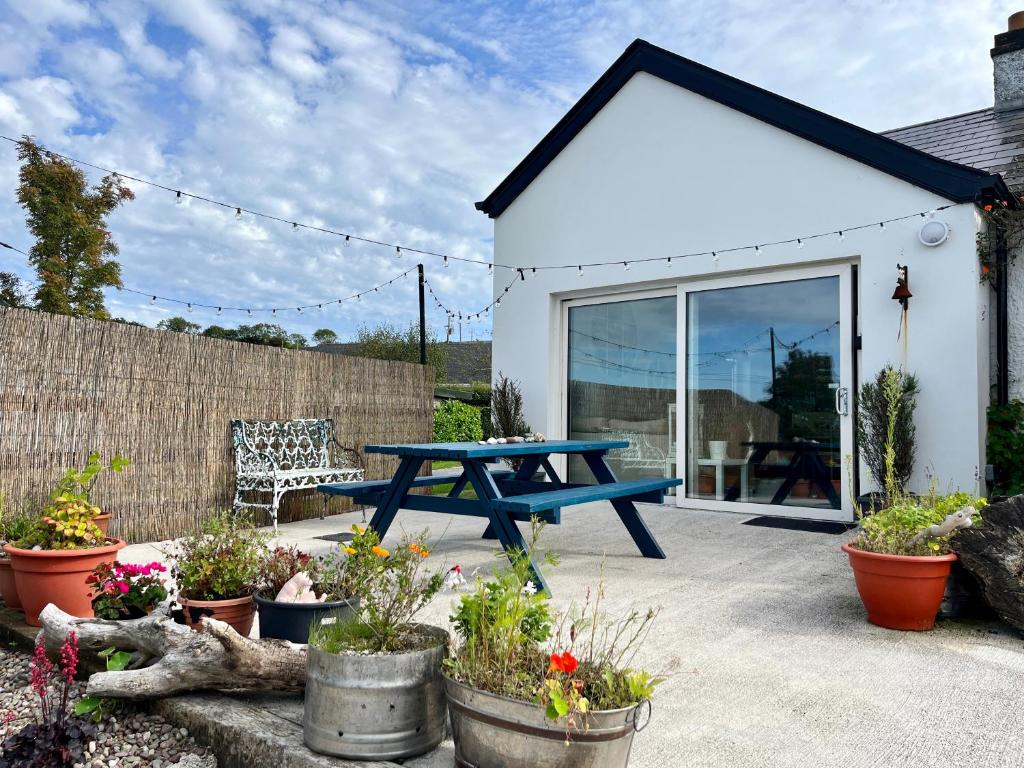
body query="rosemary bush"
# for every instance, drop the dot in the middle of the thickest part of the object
(885, 415)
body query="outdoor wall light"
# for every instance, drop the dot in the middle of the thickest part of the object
(902, 293)
(933, 232)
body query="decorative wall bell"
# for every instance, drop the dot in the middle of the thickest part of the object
(902, 293)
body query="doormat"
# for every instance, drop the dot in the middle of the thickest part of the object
(341, 538)
(792, 524)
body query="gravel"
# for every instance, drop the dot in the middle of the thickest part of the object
(129, 738)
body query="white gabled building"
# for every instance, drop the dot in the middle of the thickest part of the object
(734, 368)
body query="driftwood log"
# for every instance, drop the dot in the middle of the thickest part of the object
(993, 553)
(171, 658)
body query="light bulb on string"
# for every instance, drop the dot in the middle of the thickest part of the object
(178, 199)
(498, 302)
(842, 235)
(446, 262)
(522, 277)
(625, 266)
(348, 241)
(580, 268)
(881, 225)
(398, 253)
(153, 300)
(799, 243)
(238, 213)
(757, 250)
(668, 262)
(189, 307)
(490, 269)
(220, 310)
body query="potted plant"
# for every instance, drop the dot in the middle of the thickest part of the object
(13, 527)
(900, 556)
(126, 590)
(53, 560)
(77, 485)
(299, 590)
(527, 689)
(373, 682)
(217, 568)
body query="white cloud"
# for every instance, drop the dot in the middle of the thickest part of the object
(391, 120)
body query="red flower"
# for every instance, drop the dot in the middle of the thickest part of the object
(564, 662)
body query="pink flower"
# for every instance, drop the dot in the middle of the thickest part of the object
(123, 586)
(69, 657)
(40, 669)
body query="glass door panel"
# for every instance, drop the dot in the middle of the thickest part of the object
(622, 384)
(762, 384)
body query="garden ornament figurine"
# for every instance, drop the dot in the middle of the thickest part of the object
(299, 589)
(961, 519)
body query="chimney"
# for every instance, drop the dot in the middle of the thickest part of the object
(1008, 65)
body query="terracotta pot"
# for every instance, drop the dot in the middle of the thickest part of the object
(8, 586)
(57, 576)
(237, 612)
(103, 523)
(900, 591)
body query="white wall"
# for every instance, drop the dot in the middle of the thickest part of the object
(661, 171)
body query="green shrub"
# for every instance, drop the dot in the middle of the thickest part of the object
(456, 422)
(1006, 447)
(886, 415)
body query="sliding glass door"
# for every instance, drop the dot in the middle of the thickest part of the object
(767, 402)
(621, 383)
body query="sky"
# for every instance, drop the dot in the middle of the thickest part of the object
(390, 119)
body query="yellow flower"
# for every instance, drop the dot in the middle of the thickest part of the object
(359, 528)
(380, 552)
(349, 551)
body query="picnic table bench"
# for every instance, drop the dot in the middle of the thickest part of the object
(505, 497)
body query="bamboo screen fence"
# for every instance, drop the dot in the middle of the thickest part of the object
(71, 385)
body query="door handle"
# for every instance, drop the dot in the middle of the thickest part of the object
(842, 401)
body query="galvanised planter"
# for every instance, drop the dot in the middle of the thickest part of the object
(291, 621)
(492, 730)
(375, 707)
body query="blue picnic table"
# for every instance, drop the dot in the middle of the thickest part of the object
(505, 496)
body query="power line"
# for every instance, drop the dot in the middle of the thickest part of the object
(154, 297)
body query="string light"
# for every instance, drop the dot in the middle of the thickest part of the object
(580, 268)
(178, 199)
(446, 262)
(668, 262)
(757, 250)
(348, 237)
(625, 265)
(799, 243)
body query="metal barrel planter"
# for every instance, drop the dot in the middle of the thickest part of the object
(492, 730)
(379, 706)
(291, 621)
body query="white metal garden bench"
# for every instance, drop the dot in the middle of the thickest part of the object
(279, 456)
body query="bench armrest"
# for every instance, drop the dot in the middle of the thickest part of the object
(266, 458)
(352, 454)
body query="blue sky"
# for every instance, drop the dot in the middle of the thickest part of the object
(392, 119)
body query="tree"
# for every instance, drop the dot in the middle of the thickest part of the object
(507, 408)
(267, 334)
(74, 252)
(11, 294)
(325, 336)
(387, 342)
(179, 325)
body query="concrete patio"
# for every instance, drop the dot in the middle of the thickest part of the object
(771, 661)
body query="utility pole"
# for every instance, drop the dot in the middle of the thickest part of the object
(423, 319)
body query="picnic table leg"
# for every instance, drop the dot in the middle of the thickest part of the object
(504, 527)
(625, 508)
(392, 500)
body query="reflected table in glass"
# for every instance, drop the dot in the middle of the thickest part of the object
(720, 467)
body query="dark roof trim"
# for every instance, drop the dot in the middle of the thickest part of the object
(952, 181)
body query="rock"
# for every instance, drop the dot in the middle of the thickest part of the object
(492, 441)
(194, 761)
(517, 439)
(993, 552)
(501, 441)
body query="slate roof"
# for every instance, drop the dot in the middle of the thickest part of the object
(984, 139)
(953, 181)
